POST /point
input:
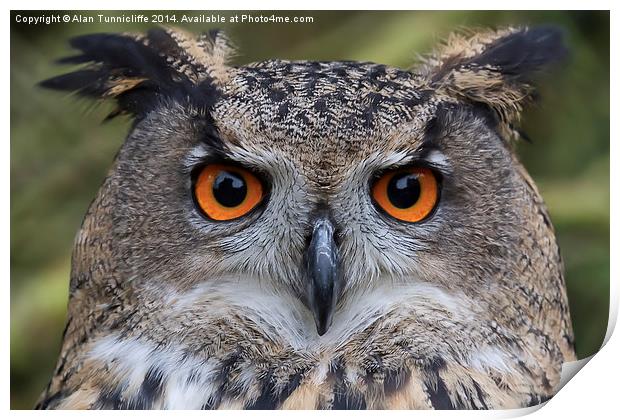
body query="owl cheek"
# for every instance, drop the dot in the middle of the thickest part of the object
(323, 284)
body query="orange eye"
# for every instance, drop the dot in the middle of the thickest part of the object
(226, 192)
(408, 194)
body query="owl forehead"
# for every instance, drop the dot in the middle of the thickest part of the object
(328, 104)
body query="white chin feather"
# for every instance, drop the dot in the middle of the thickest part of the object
(284, 318)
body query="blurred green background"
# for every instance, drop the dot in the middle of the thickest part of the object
(60, 152)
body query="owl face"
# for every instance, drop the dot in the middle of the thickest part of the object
(329, 179)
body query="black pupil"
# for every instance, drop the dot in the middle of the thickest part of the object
(403, 190)
(229, 189)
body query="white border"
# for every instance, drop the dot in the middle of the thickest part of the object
(594, 390)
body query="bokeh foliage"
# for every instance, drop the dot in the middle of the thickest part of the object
(60, 153)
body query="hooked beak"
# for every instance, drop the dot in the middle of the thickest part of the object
(323, 282)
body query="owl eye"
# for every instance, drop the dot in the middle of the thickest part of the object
(408, 194)
(226, 192)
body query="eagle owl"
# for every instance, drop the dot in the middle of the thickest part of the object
(313, 234)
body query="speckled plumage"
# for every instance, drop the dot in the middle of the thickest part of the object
(466, 309)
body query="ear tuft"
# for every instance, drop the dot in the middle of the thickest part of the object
(495, 68)
(138, 71)
(209, 53)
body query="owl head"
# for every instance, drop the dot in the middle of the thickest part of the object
(318, 181)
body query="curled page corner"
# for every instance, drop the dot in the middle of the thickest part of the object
(570, 369)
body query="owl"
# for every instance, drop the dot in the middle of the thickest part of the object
(313, 234)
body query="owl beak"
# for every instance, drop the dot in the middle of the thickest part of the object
(323, 281)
